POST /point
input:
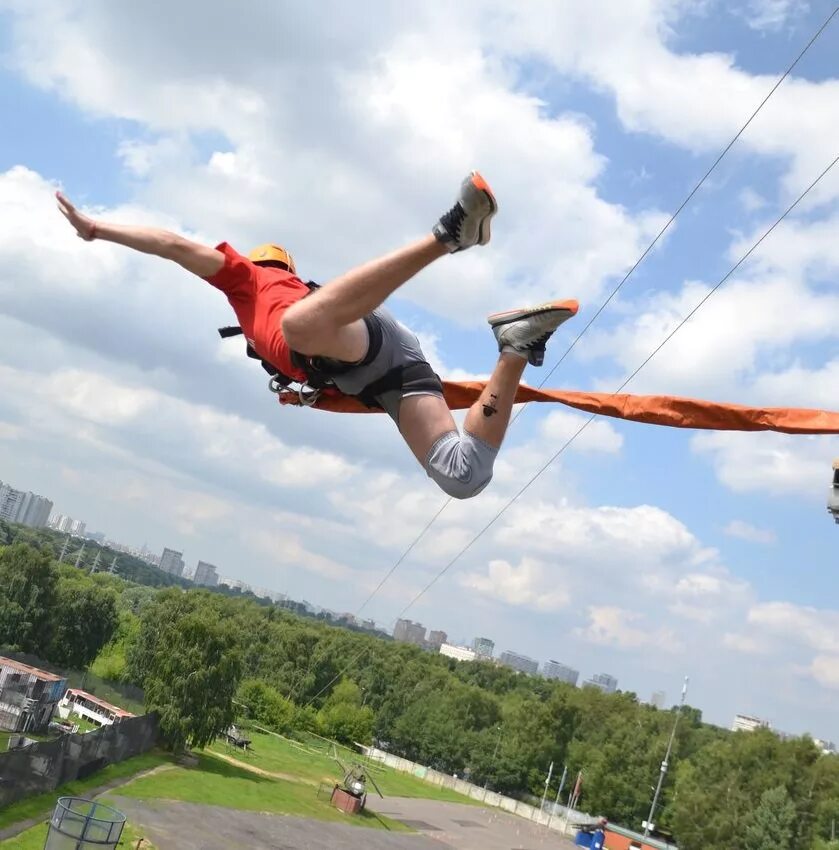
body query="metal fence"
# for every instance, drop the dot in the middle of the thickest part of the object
(43, 766)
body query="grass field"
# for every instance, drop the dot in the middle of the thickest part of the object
(33, 839)
(216, 783)
(42, 804)
(311, 760)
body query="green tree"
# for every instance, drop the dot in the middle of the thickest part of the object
(187, 660)
(344, 718)
(27, 598)
(84, 620)
(266, 705)
(770, 826)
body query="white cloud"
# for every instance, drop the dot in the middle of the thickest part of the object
(530, 584)
(805, 625)
(747, 644)
(825, 670)
(623, 629)
(770, 463)
(746, 531)
(773, 15)
(600, 436)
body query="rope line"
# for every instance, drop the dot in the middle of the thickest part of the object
(620, 285)
(593, 416)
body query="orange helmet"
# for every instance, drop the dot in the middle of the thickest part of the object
(273, 255)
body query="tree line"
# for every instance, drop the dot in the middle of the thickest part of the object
(205, 660)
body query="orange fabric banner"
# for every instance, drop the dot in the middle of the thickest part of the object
(672, 411)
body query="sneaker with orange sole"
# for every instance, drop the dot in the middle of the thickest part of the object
(525, 331)
(467, 222)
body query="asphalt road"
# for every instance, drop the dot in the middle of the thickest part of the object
(174, 825)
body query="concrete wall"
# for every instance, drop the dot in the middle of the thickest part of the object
(44, 766)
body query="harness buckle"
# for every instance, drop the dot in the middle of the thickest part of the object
(276, 385)
(308, 398)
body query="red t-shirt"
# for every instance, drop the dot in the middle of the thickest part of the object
(259, 296)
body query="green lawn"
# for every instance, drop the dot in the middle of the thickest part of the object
(33, 839)
(43, 804)
(217, 783)
(311, 760)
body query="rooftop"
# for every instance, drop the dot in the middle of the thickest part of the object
(32, 671)
(114, 709)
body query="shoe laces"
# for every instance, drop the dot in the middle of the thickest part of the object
(539, 343)
(453, 219)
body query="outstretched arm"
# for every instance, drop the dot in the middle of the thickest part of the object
(194, 257)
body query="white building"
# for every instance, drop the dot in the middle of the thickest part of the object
(172, 562)
(658, 699)
(23, 507)
(483, 647)
(206, 574)
(28, 696)
(747, 723)
(522, 663)
(602, 681)
(91, 708)
(459, 653)
(560, 672)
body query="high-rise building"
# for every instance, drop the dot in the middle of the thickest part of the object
(23, 507)
(560, 672)
(436, 639)
(483, 647)
(408, 631)
(603, 681)
(172, 562)
(658, 699)
(206, 574)
(459, 653)
(747, 723)
(522, 663)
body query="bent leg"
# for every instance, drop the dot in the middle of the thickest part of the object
(462, 465)
(328, 322)
(316, 325)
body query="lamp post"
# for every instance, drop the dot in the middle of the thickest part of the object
(648, 825)
(494, 754)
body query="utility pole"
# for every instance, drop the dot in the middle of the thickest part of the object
(494, 754)
(96, 562)
(558, 794)
(547, 783)
(648, 825)
(113, 568)
(64, 549)
(79, 556)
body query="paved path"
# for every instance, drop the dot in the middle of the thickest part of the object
(172, 825)
(93, 793)
(469, 827)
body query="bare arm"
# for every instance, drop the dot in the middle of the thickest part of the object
(194, 257)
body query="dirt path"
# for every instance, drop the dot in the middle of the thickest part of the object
(252, 768)
(21, 826)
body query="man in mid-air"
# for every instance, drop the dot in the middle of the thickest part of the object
(340, 333)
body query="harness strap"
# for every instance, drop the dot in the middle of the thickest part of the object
(415, 377)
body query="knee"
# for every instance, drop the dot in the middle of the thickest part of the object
(461, 466)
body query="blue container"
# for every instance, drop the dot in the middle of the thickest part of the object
(584, 839)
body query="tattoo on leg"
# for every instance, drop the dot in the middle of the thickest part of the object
(491, 406)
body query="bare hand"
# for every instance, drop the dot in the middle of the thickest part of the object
(84, 225)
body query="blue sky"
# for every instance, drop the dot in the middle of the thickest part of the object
(648, 553)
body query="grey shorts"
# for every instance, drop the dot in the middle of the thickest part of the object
(400, 347)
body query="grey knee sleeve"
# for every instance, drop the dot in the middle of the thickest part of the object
(460, 465)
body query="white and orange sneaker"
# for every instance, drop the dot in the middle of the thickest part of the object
(526, 331)
(467, 222)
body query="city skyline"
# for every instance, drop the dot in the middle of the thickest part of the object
(549, 669)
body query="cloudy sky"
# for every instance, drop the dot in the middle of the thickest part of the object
(644, 552)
